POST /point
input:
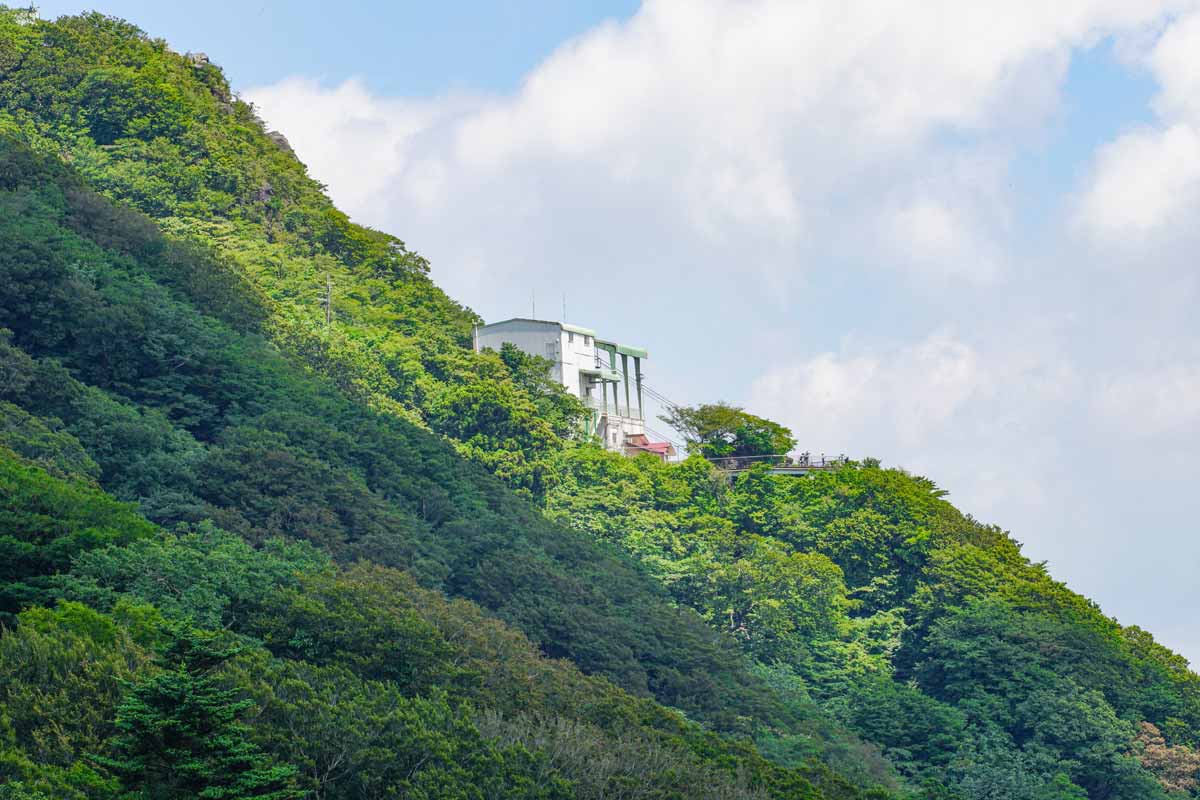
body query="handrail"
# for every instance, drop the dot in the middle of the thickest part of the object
(615, 409)
(803, 461)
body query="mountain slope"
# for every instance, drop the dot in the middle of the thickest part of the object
(182, 360)
(923, 630)
(199, 418)
(361, 680)
(109, 379)
(197, 422)
(166, 135)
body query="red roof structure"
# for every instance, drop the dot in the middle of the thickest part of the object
(638, 443)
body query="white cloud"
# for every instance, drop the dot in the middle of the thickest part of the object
(911, 391)
(938, 240)
(1175, 61)
(988, 418)
(1148, 181)
(706, 154)
(1151, 403)
(358, 142)
(1145, 182)
(783, 199)
(765, 128)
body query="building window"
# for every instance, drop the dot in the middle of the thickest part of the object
(587, 340)
(570, 337)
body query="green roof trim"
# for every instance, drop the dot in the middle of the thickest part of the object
(624, 349)
(577, 329)
(606, 374)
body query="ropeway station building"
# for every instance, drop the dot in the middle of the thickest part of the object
(605, 375)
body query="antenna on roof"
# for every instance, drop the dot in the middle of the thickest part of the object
(564, 316)
(532, 304)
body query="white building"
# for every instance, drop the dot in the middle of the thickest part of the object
(605, 375)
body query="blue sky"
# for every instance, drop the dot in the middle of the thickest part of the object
(958, 237)
(1101, 98)
(410, 48)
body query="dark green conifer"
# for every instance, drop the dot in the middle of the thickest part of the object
(181, 733)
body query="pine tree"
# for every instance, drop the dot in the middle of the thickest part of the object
(181, 733)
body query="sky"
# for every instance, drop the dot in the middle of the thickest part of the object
(960, 237)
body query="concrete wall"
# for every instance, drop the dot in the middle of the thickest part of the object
(570, 351)
(614, 429)
(578, 352)
(543, 339)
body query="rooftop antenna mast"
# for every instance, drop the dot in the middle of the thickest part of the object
(564, 316)
(532, 304)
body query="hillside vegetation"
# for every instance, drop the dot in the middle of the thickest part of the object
(260, 543)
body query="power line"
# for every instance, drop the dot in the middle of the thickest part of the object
(662, 400)
(661, 435)
(659, 396)
(653, 394)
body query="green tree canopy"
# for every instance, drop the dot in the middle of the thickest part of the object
(719, 430)
(182, 734)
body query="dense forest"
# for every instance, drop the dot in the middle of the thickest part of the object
(269, 528)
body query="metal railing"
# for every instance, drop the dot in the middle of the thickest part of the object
(612, 409)
(803, 461)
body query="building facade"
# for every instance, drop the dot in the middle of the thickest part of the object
(605, 375)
